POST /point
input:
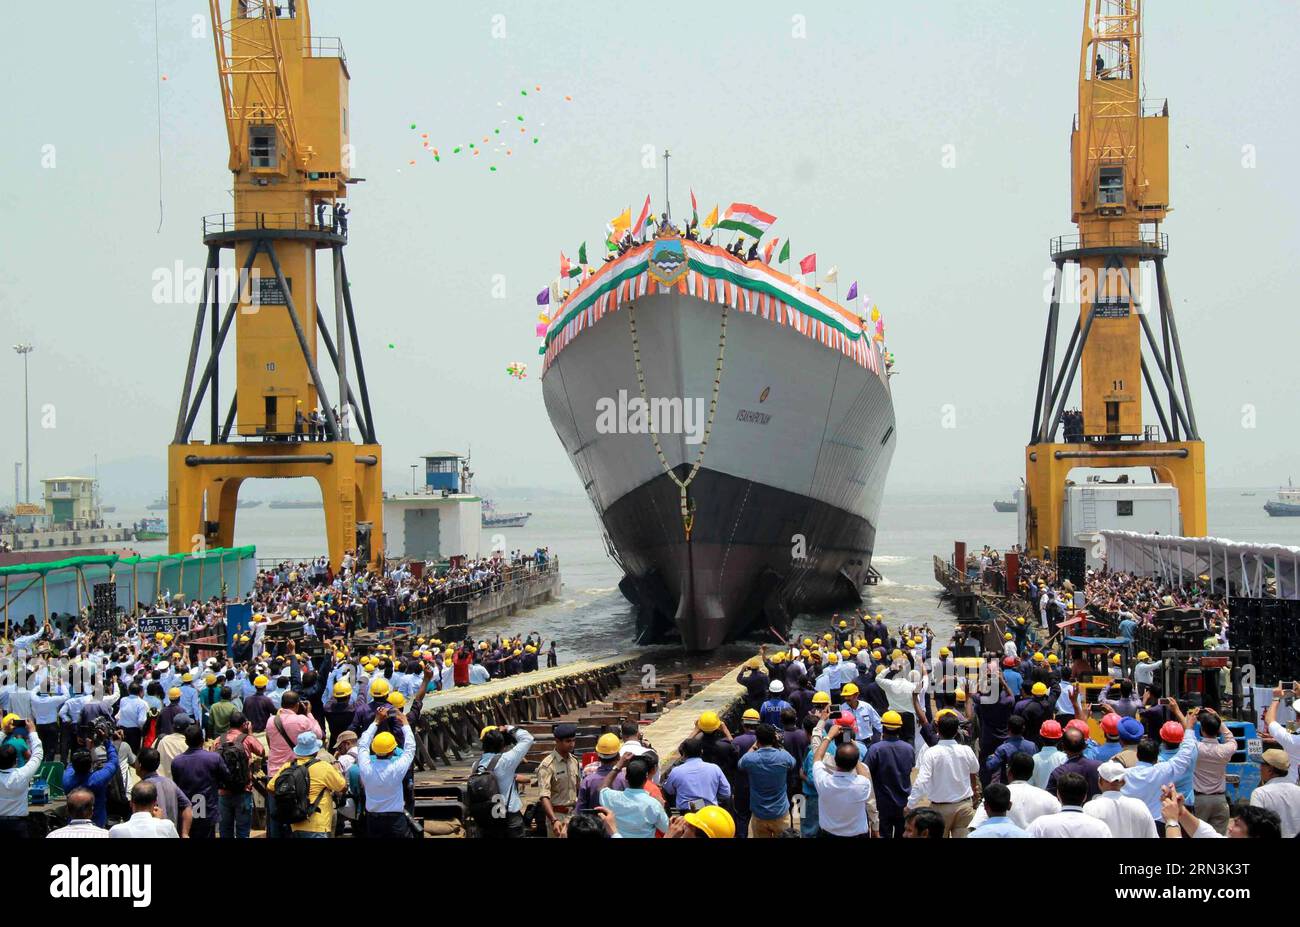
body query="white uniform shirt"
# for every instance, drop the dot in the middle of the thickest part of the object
(1284, 798)
(944, 774)
(1126, 817)
(841, 801)
(1070, 821)
(1028, 804)
(143, 824)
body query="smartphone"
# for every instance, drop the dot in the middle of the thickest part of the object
(1288, 686)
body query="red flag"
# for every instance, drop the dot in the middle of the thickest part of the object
(564, 265)
(638, 230)
(809, 264)
(769, 248)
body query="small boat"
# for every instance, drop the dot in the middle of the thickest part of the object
(1287, 504)
(151, 529)
(1000, 505)
(494, 519)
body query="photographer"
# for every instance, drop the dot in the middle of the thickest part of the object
(503, 750)
(15, 777)
(81, 773)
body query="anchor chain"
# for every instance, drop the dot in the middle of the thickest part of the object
(687, 505)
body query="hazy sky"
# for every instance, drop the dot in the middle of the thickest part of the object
(841, 134)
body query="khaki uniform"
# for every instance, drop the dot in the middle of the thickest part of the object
(558, 779)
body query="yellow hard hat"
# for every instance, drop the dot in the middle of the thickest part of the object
(187, 677)
(158, 636)
(805, 653)
(1053, 658)
(397, 699)
(807, 642)
(850, 689)
(845, 653)
(483, 733)
(608, 745)
(880, 669)
(1143, 655)
(709, 722)
(8, 721)
(342, 689)
(833, 656)
(1007, 636)
(751, 714)
(891, 719)
(293, 613)
(844, 624)
(712, 821)
(753, 663)
(960, 694)
(946, 711)
(896, 655)
(821, 698)
(1039, 689)
(945, 652)
(1038, 656)
(379, 687)
(173, 693)
(383, 744)
(210, 679)
(778, 657)
(1117, 659)
(1020, 621)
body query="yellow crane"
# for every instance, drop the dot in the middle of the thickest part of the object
(1119, 185)
(284, 96)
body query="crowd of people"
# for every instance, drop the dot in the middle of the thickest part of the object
(146, 726)
(867, 733)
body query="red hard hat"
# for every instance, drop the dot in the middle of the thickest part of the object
(1171, 732)
(1110, 724)
(848, 721)
(1078, 724)
(1051, 730)
(1009, 662)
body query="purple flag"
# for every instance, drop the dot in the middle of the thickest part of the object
(853, 292)
(544, 297)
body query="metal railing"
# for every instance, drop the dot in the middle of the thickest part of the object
(324, 46)
(220, 222)
(1149, 240)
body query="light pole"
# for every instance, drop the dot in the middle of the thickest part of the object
(23, 350)
(414, 467)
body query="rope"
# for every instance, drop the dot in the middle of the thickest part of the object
(157, 79)
(687, 510)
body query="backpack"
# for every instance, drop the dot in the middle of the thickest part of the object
(233, 774)
(292, 793)
(482, 793)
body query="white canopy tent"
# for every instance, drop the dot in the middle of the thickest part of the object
(1246, 568)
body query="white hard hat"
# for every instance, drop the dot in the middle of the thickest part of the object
(776, 686)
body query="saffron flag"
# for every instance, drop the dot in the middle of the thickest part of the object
(638, 230)
(769, 248)
(785, 251)
(711, 219)
(544, 297)
(809, 264)
(695, 213)
(620, 224)
(853, 292)
(748, 219)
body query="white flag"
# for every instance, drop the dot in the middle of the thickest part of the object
(832, 274)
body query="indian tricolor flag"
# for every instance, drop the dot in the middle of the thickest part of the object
(747, 219)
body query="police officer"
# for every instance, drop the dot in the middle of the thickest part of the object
(558, 777)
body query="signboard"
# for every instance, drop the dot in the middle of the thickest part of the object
(150, 625)
(28, 508)
(238, 620)
(268, 292)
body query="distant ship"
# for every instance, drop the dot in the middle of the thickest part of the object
(294, 504)
(158, 505)
(1287, 504)
(494, 519)
(1000, 505)
(732, 427)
